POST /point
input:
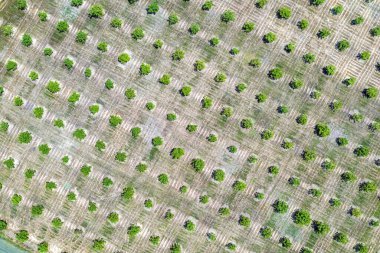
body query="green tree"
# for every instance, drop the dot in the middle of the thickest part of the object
(91, 206)
(285, 242)
(177, 153)
(337, 9)
(175, 248)
(361, 248)
(309, 155)
(294, 181)
(246, 123)
(16, 199)
(124, 58)
(157, 141)
(266, 232)
(275, 73)
(303, 24)
(316, 2)
(206, 102)
(50, 186)
(255, 63)
(76, 3)
(62, 26)
(43, 247)
(212, 138)
(120, 156)
(74, 97)
(9, 163)
(11, 65)
(284, 12)
(227, 16)
(29, 173)
(153, 8)
(48, 51)
(69, 64)
(371, 92)
(3, 225)
(22, 236)
(301, 217)
(79, 134)
(163, 178)
(113, 217)
(133, 230)
(26, 40)
(24, 137)
(198, 164)
(81, 37)
(189, 225)
(361, 151)
(44, 149)
(357, 21)
(289, 48)
(98, 244)
(33, 75)
(7, 30)
(368, 186)
(173, 19)
(269, 37)
(323, 33)
(322, 130)
(96, 11)
(194, 28)
(248, 27)
(261, 97)
(185, 91)
(239, 185)
(21, 5)
(375, 31)
(138, 34)
(128, 193)
(102, 47)
(207, 5)
(342, 45)
(267, 134)
(116, 23)
(341, 238)
(199, 65)
(154, 240)
(329, 70)
(320, 227)
(56, 223)
(280, 206)
(244, 221)
(37, 210)
(115, 120)
(218, 175)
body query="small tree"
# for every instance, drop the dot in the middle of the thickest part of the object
(163, 178)
(157, 44)
(329, 70)
(227, 16)
(368, 186)
(120, 156)
(275, 73)
(244, 221)
(173, 19)
(289, 48)
(354, 211)
(322, 130)
(240, 87)
(177, 153)
(138, 34)
(22, 236)
(16, 199)
(115, 120)
(9, 163)
(153, 8)
(266, 232)
(96, 11)
(267, 134)
(133, 230)
(284, 12)
(189, 225)
(76, 3)
(107, 182)
(98, 244)
(365, 55)
(21, 5)
(226, 112)
(316, 2)
(309, 155)
(11, 65)
(24, 137)
(79, 134)
(48, 51)
(280, 206)
(194, 28)
(234, 51)
(92, 207)
(178, 55)
(294, 181)
(207, 5)
(3, 225)
(337, 9)
(185, 91)
(44, 149)
(323, 33)
(328, 165)
(261, 97)
(361, 248)
(50, 186)
(303, 24)
(128, 193)
(248, 27)
(37, 210)
(255, 63)
(56, 223)
(301, 217)
(124, 58)
(341, 238)
(269, 37)
(375, 31)
(199, 65)
(206, 102)
(86, 170)
(198, 164)
(361, 151)
(239, 185)
(336, 105)
(342, 45)
(157, 141)
(285, 242)
(220, 77)
(43, 247)
(81, 37)
(113, 217)
(116, 23)
(246, 123)
(26, 40)
(370, 92)
(218, 175)
(7, 30)
(62, 26)
(357, 21)
(29, 173)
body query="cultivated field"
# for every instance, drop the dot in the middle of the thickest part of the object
(190, 126)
